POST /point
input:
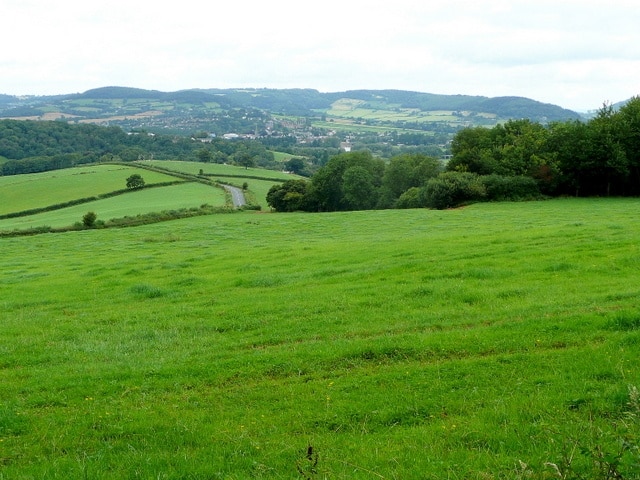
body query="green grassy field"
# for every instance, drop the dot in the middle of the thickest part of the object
(24, 192)
(186, 195)
(217, 169)
(480, 343)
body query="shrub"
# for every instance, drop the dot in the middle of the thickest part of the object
(501, 188)
(89, 219)
(410, 199)
(451, 189)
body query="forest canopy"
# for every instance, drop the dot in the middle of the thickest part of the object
(517, 160)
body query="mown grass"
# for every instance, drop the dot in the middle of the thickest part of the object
(24, 192)
(186, 195)
(485, 342)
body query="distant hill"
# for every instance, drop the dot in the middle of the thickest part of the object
(383, 121)
(302, 102)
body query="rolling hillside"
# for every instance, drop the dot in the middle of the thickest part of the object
(499, 341)
(60, 198)
(213, 108)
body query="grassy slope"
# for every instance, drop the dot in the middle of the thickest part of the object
(399, 344)
(24, 192)
(157, 199)
(193, 168)
(258, 188)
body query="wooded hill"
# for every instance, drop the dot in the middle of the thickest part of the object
(247, 110)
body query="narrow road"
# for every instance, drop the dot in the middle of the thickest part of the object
(237, 197)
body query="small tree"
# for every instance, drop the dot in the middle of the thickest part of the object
(89, 219)
(135, 181)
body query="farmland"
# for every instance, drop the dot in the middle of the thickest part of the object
(26, 192)
(494, 341)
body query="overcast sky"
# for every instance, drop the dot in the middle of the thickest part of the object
(574, 53)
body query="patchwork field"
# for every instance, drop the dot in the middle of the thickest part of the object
(24, 192)
(494, 341)
(186, 195)
(218, 169)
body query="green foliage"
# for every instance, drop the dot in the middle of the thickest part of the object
(406, 171)
(502, 188)
(289, 196)
(41, 146)
(135, 181)
(333, 189)
(204, 155)
(295, 165)
(89, 219)
(598, 157)
(452, 189)
(358, 189)
(412, 198)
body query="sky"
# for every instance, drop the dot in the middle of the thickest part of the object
(574, 53)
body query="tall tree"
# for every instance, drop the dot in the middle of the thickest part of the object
(409, 170)
(328, 182)
(358, 189)
(471, 149)
(629, 131)
(610, 169)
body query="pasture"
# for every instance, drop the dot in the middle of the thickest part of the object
(25, 192)
(219, 169)
(494, 341)
(382, 112)
(185, 195)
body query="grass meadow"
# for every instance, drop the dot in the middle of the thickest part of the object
(496, 341)
(148, 200)
(25, 192)
(219, 169)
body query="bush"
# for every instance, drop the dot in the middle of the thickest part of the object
(451, 189)
(89, 219)
(410, 199)
(501, 188)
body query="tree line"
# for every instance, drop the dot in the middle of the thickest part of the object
(517, 160)
(38, 146)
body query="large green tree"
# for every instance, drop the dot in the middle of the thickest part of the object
(409, 170)
(629, 132)
(358, 189)
(135, 181)
(327, 184)
(610, 166)
(289, 196)
(472, 151)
